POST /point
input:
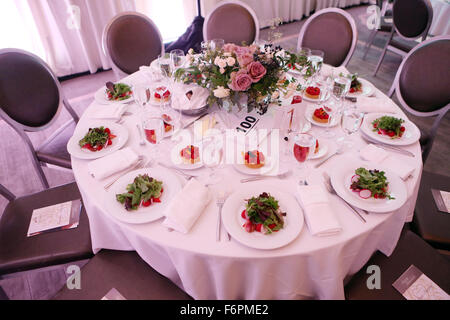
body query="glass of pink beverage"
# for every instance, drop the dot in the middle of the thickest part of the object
(303, 144)
(154, 133)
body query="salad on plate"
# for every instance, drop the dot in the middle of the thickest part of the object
(143, 191)
(356, 85)
(370, 184)
(263, 214)
(97, 139)
(389, 126)
(118, 91)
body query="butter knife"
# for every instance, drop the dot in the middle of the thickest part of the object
(193, 121)
(388, 147)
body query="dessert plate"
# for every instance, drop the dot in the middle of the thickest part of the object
(324, 98)
(411, 134)
(309, 116)
(367, 89)
(323, 150)
(235, 204)
(102, 98)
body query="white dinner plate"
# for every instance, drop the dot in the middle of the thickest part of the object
(235, 204)
(270, 168)
(118, 142)
(341, 180)
(323, 150)
(102, 98)
(367, 89)
(309, 116)
(171, 186)
(411, 134)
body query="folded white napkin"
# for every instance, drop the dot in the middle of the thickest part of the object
(378, 155)
(108, 112)
(370, 105)
(187, 206)
(113, 163)
(319, 216)
(181, 102)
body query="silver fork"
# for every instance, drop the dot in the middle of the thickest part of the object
(281, 175)
(220, 201)
(139, 164)
(331, 190)
(184, 174)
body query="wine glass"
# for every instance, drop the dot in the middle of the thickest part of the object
(154, 133)
(350, 123)
(217, 44)
(316, 59)
(141, 94)
(176, 59)
(164, 65)
(341, 86)
(303, 144)
(213, 158)
(205, 45)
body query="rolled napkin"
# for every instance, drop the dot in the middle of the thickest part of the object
(181, 101)
(108, 112)
(319, 216)
(187, 206)
(113, 163)
(378, 155)
(371, 105)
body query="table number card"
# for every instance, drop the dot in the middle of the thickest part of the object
(442, 199)
(60, 216)
(414, 285)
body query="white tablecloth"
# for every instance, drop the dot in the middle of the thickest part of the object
(309, 267)
(441, 18)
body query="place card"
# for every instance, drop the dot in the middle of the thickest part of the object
(113, 294)
(442, 199)
(61, 216)
(414, 285)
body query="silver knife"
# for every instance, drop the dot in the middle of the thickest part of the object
(388, 147)
(187, 125)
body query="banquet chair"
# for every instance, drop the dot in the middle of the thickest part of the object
(338, 42)
(411, 20)
(20, 253)
(422, 85)
(410, 250)
(126, 272)
(131, 40)
(385, 25)
(233, 21)
(31, 100)
(429, 223)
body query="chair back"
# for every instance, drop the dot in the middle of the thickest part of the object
(333, 31)
(132, 40)
(30, 93)
(412, 18)
(422, 82)
(6, 193)
(233, 21)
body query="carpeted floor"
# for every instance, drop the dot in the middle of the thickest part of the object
(17, 172)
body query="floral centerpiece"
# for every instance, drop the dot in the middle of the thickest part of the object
(233, 74)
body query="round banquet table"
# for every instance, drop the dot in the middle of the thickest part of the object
(310, 267)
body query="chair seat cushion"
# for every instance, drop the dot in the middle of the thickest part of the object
(410, 250)
(403, 45)
(429, 222)
(126, 272)
(54, 149)
(19, 252)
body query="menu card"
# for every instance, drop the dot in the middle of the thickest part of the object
(414, 285)
(442, 199)
(60, 216)
(113, 294)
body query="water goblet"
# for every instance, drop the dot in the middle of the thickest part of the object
(176, 59)
(316, 59)
(351, 121)
(154, 132)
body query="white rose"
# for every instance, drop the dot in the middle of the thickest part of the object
(281, 53)
(231, 61)
(275, 95)
(221, 92)
(191, 51)
(227, 54)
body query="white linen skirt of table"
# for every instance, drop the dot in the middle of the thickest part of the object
(308, 268)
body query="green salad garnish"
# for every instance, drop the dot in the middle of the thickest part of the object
(144, 190)
(121, 91)
(370, 184)
(265, 210)
(95, 138)
(390, 126)
(355, 85)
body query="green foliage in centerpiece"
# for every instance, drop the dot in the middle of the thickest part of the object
(257, 72)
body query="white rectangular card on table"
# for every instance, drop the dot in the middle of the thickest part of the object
(442, 199)
(414, 285)
(60, 216)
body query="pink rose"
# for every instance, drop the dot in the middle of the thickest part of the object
(242, 50)
(240, 81)
(244, 59)
(229, 47)
(256, 70)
